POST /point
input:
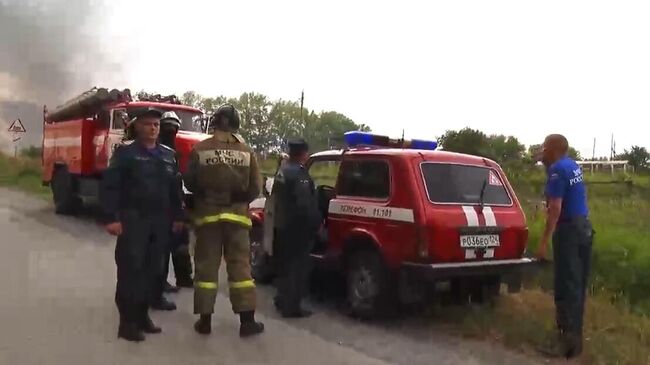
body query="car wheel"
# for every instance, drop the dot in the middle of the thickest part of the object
(370, 286)
(64, 192)
(260, 260)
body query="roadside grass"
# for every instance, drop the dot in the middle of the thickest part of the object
(525, 321)
(23, 174)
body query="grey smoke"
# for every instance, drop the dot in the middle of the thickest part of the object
(52, 50)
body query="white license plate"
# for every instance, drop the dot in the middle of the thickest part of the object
(479, 240)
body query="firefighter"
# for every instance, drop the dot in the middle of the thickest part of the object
(297, 220)
(572, 234)
(224, 176)
(139, 190)
(169, 126)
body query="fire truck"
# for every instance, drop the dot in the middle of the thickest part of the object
(80, 136)
(402, 217)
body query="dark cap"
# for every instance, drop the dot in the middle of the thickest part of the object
(297, 146)
(147, 112)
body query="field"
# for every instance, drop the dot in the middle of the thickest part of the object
(618, 324)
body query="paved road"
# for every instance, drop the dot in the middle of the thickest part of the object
(57, 307)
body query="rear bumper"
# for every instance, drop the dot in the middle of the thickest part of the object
(472, 268)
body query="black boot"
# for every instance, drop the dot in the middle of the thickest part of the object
(130, 331)
(248, 326)
(146, 324)
(204, 324)
(163, 305)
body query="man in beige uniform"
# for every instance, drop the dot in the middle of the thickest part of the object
(224, 176)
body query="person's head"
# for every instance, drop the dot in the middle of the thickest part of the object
(298, 150)
(169, 126)
(147, 125)
(554, 148)
(226, 119)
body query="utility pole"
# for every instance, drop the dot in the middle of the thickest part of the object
(593, 155)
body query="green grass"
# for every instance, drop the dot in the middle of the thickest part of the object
(23, 174)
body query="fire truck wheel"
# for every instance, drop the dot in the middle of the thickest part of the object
(64, 193)
(260, 260)
(371, 288)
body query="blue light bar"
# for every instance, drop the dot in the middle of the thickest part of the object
(356, 139)
(419, 144)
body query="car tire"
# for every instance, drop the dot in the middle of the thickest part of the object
(261, 268)
(64, 192)
(371, 287)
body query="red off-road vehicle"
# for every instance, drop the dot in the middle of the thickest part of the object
(401, 216)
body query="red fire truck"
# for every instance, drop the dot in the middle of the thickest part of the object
(401, 216)
(80, 136)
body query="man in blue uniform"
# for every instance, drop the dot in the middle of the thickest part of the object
(568, 224)
(296, 221)
(140, 189)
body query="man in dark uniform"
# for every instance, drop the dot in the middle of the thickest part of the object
(568, 223)
(297, 220)
(140, 189)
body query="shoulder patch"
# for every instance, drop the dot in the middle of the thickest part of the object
(239, 138)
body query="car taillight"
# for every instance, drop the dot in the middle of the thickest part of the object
(423, 242)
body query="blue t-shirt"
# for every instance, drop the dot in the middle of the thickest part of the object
(566, 181)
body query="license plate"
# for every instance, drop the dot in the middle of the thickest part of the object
(479, 240)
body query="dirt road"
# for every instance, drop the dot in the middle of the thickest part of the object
(57, 285)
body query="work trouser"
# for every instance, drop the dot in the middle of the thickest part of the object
(139, 257)
(572, 243)
(230, 241)
(294, 263)
(181, 261)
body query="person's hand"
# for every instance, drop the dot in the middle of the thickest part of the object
(177, 227)
(541, 249)
(114, 229)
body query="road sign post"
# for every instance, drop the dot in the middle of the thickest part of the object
(15, 128)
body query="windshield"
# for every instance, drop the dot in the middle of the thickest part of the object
(190, 121)
(462, 184)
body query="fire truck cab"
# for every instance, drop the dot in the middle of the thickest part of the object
(401, 216)
(80, 136)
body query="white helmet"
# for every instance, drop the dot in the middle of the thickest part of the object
(170, 118)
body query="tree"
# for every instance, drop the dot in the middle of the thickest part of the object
(505, 149)
(325, 131)
(638, 157)
(500, 148)
(466, 140)
(191, 98)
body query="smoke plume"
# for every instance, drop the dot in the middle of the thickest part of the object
(49, 52)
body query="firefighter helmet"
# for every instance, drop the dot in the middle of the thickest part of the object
(170, 118)
(230, 113)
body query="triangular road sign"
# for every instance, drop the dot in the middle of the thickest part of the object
(17, 127)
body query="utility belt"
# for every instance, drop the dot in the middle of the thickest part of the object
(573, 220)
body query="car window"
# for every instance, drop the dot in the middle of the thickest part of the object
(367, 179)
(462, 184)
(324, 172)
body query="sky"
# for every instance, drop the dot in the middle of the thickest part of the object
(522, 68)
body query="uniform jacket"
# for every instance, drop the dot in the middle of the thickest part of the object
(294, 195)
(141, 180)
(223, 175)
